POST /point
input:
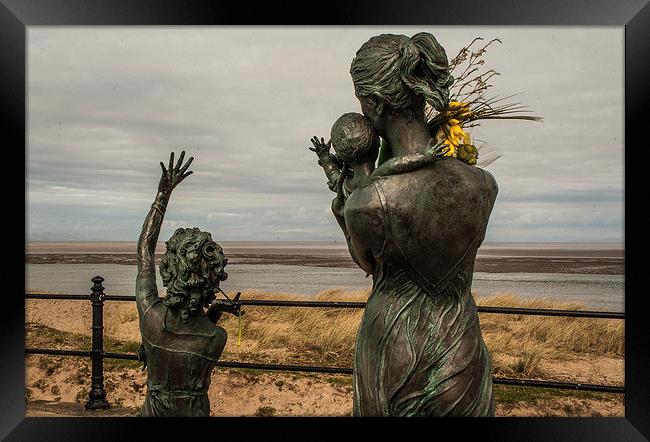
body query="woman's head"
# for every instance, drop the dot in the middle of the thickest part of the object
(402, 73)
(354, 139)
(191, 269)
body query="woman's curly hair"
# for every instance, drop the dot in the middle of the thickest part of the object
(191, 269)
(403, 72)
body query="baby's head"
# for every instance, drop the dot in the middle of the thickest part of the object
(354, 139)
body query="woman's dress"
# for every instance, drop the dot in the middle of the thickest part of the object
(419, 349)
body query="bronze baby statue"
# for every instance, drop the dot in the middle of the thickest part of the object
(356, 146)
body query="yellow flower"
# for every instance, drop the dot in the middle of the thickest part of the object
(451, 132)
(456, 105)
(452, 136)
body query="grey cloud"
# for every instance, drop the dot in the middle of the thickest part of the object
(105, 105)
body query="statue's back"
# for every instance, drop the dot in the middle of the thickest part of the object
(179, 364)
(438, 215)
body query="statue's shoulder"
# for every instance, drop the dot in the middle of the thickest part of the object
(217, 341)
(366, 215)
(491, 183)
(450, 172)
(365, 198)
(199, 337)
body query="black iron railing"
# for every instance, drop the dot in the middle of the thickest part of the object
(97, 395)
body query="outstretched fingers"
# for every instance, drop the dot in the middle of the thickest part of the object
(174, 174)
(184, 168)
(320, 144)
(314, 141)
(180, 160)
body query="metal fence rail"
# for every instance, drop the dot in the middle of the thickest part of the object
(349, 304)
(97, 395)
(345, 370)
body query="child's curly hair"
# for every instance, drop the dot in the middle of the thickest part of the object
(191, 269)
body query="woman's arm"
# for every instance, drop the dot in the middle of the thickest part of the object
(337, 210)
(338, 203)
(361, 255)
(146, 292)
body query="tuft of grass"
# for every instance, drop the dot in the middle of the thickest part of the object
(514, 394)
(542, 335)
(297, 335)
(265, 411)
(340, 381)
(82, 395)
(527, 365)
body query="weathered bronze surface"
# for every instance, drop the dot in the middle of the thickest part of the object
(180, 342)
(415, 225)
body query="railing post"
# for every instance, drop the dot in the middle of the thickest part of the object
(97, 396)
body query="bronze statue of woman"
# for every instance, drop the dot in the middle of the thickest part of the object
(416, 228)
(180, 342)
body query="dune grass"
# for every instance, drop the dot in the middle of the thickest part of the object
(297, 334)
(533, 339)
(518, 344)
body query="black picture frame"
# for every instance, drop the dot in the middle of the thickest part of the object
(16, 15)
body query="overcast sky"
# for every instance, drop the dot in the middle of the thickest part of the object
(106, 104)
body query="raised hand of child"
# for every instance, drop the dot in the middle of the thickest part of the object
(174, 174)
(321, 148)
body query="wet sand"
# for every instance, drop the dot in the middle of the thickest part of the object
(560, 261)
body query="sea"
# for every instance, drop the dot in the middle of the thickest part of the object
(596, 291)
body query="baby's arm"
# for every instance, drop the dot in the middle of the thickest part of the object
(400, 164)
(327, 161)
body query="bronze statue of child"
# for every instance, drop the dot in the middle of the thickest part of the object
(180, 340)
(356, 146)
